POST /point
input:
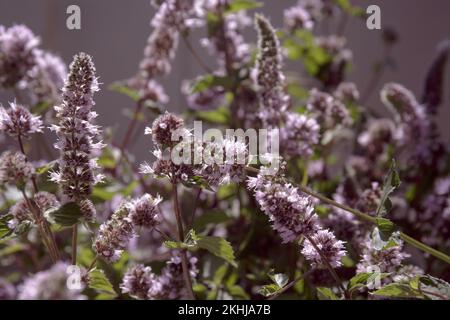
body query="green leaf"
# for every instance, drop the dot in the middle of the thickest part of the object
(210, 218)
(364, 278)
(218, 116)
(325, 294)
(216, 245)
(397, 290)
(239, 5)
(391, 182)
(238, 292)
(5, 231)
(176, 245)
(123, 89)
(67, 215)
(434, 288)
(40, 107)
(278, 278)
(385, 227)
(45, 168)
(348, 8)
(209, 81)
(269, 289)
(100, 283)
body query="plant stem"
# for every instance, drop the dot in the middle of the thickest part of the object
(42, 223)
(131, 126)
(74, 243)
(196, 56)
(363, 216)
(35, 214)
(289, 285)
(329, 267)
(184, 260)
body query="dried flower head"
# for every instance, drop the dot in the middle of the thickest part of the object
(17, 120)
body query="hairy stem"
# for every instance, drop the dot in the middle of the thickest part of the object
(364, 216)
(184, 260)
(329, 267)
(74, 243)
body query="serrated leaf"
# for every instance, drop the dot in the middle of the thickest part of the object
(239, 5)
(434, 288)
(176, 245)
(364, 278)
(269, 289)
(100, 283)
(125, 90)
(391, 182)
(218, 246)
(326, 294)
(397, 290)
(67, 215)
(5, 231)
(278, 278)
(385, 227)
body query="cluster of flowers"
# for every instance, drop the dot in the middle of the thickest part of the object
(24, 66)
(78, 138)
(223, 162)
(141, 283)
(172, 18)
(292, 215)
(114, 235)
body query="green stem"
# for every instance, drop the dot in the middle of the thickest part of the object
(364, 216)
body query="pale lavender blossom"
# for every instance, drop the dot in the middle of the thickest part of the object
(224, 162)
(297, 17)
(328, 111)
(140, 282)
(50, 284)
(171, 279)
(387, 258)
(163, 129)
(226, 42)
(18, 121)
(17, 54)
(144, 212)
(347, 92)
(290, 212)
(300, 135)
(269, 78)
(15, 169)
(114, 235)
(7, 290)
(21, 211)
(78, 137)
(332, 249)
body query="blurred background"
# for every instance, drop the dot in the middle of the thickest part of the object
(115, 32)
